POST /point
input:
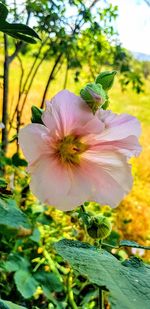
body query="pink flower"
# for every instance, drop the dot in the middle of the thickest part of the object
(76, 156)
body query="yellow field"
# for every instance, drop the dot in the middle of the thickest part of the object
(136, 206)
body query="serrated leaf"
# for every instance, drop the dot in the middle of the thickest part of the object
(133, 244)
(9, 305)
(11, 217)
(129, 286)
(25, 283)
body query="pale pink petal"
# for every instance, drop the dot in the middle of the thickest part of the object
(58, 186)
(117, 126)
(50, 181)
(66, 112)
(33, 141)
(109, 175)
(128, 146)
(93, 126)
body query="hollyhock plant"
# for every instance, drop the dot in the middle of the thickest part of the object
(75, 156)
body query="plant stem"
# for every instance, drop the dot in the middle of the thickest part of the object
(83, 208)
(5, 95)
(70, 292)
(101, 300)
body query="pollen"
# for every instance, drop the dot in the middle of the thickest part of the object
(70, 149)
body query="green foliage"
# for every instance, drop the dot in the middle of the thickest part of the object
(17, 161)
(4, 304)
(133, 244)
(25, 282)
(17, 31)
(11, 217)
(15, 262)
(49, 282)
(127, 282)
(36, 115)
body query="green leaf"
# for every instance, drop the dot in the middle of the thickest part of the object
(133, 244)
(5, 304)
(19, 36)
(25, 283)
(35, 235)
(49, 282)
(3, 12)
(15, 262)
(128, 283)
(17, 161)
(11, 217)
(18, 31)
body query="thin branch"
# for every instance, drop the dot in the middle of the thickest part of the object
(15, 53)
(50, 78)
(31, 81)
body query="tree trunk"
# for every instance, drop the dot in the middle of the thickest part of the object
(5, 95)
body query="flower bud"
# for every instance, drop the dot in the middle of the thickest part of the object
(106, 79)
(99, 227)
(94, 95)
(36, 114)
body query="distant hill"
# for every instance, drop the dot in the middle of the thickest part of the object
(141, 56)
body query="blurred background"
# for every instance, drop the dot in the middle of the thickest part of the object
(79, 39)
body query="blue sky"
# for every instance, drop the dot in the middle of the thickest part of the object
(133, 24)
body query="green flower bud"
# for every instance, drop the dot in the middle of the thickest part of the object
(106, 79)
(36, 114)
(94, 95)
(99, 227)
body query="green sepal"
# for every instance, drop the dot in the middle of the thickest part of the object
(106, 79)
(36, 115)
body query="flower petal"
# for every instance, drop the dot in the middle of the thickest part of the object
(109, 175)
(66, 112)
(118, 126)
(50, 181)
(33, 141)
